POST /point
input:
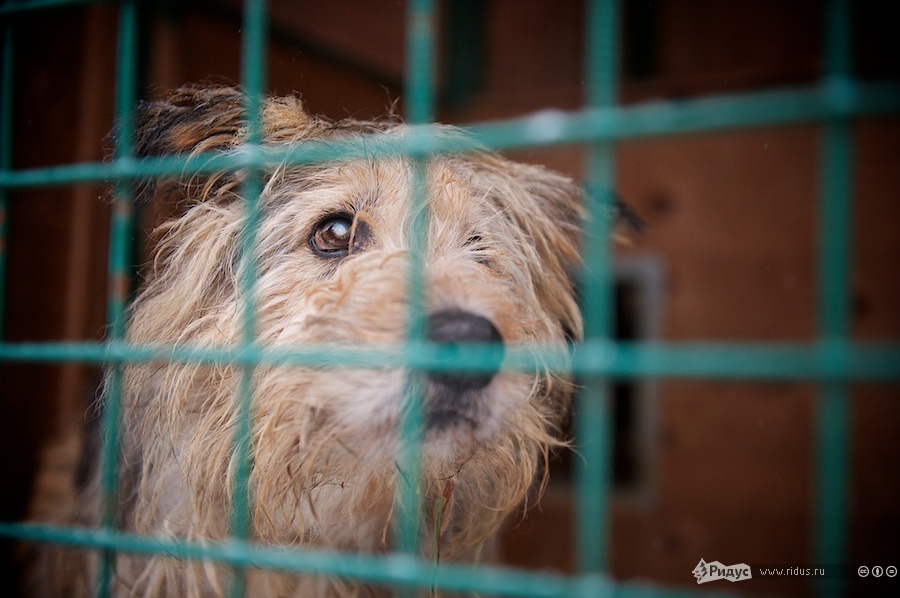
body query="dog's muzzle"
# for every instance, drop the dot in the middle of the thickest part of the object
(454, 396)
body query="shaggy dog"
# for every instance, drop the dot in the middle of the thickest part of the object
(332, 267)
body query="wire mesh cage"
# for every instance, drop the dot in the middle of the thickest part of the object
(833, 361)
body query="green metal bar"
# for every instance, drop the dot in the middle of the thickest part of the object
(121, 228)
(420, 29)
(797, 106)
(838, 50)
(119, 271)
(593, 423)
(602, 57)
(835, 187)
(19, 7)
(395, 570)
(420, 36)
(835, 225)
(832, 470)
(253, 65)
(410, 423)
(862, 362)
(253, 68)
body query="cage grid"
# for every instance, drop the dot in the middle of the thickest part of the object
(833, 361)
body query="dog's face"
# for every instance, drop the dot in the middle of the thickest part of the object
(333, 269)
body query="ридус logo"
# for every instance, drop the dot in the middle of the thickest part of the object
(714, 571)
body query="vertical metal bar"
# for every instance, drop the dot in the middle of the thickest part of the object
(253, 65)
(126, 98)
(6, 140)
(420, 36)
(119, 264)
(832, 492)
(838, 50)
(420, 30)
(410, 423)
(593, 421)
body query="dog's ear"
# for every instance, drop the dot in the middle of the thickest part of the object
(553, 218)
(200, 119)
(546, 212)
(554, 222)
(189, 120)
(561, 207)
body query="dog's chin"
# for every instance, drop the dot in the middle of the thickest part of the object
(454, 423)
(450, 444)
(455, 431)
(448, 419)
(450, 408)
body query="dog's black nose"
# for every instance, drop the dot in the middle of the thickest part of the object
(456, 327)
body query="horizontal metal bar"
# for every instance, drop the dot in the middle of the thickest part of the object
(781, 107)
(790, 106)
(23, 7)
(826, 361)
(397, 570)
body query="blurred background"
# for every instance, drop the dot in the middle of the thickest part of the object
(714, 470)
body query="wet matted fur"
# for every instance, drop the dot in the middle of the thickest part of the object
(333, 264)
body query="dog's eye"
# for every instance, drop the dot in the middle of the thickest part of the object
(332, 236)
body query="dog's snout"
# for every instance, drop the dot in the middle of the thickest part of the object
(452, 326)
(455, 327)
